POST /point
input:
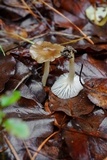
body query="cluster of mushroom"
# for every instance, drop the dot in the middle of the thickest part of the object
(68, 84)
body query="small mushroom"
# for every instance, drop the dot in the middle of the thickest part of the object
(44, 52)
(68, 84)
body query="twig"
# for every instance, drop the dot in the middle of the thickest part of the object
(30, 11)
(30, 156)
(2, 50)
(42, 144)
(22, 80)
(73, 41)
(11, 147)
(63, 34)
(44, 19)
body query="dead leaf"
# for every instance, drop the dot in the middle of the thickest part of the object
(7, 69)
(97, 92)
(77, 106)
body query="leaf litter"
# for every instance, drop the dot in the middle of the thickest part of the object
(64, 129)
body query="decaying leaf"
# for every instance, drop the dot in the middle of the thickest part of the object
(77, 106)
(7, 69)
(97, 92)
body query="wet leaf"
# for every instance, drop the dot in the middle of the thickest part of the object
(97, 93)
(26, 107)
(7, 66)
(17, 128)
(83, 136)
(77, 8)
(92, 68)
(91, 122)
(40, 129)
(61, 22)
(11, 12)
(21, 70)
(10, 99)
(77, 106)
(83, 147)
(38, 90)
(77, 145)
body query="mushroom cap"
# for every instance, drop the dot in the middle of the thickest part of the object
(65, 89)
(43, 51)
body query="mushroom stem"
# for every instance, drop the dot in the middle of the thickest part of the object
(71, 69)
(46, 72)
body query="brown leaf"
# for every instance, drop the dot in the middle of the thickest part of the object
(81, 146)
(22, 73)
(77, 106)
(62, 22)
(97, 93)
(7, 69)
(77, 145)
(75, 7)
(91, 122)
(84, 135)
(92, 68)
(12, 13)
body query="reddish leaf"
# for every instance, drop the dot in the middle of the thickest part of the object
(77, 106)
(77, 145)
(91, 122)
(82, 146)
(84, 137)
(75, 7)
(97, 92)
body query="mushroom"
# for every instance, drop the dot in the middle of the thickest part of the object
(68, 85)
(44, 52)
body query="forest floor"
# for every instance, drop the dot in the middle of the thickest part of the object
(60, 129)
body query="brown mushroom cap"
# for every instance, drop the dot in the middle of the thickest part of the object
(45, 51)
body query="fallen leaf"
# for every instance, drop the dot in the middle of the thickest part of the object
(77, 106)
(92, 68)
(7, 69)
(97, 92)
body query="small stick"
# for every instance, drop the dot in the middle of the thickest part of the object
(11, 147)
(30, 11)
(30, 156)
(2, 50)
(22, 80)
(42, 144)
